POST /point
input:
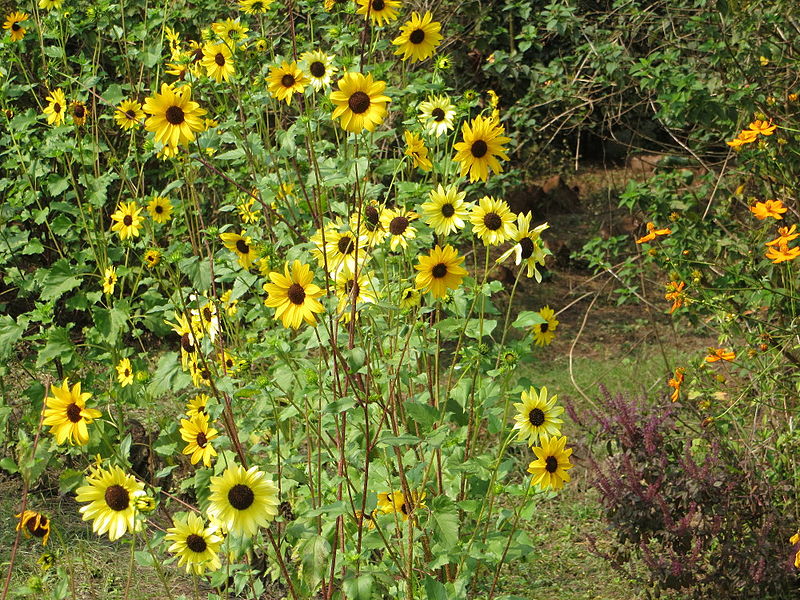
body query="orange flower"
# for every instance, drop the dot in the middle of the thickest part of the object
(785, 235)
(675, 294)
(770, 208)
(652, 233)
(782, 253)
(744, 137)
(676, 383)
(715, 354)
(762, 127)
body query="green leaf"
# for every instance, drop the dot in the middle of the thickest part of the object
(400, 440)
(445, 522)
(434, 590)
(359, 588)
(58, 280)
(424, 414)
(528, 318)
(314, 554)
(10, 332)
(58, 346)
(110, 321)
(473, 329)
(168, 376)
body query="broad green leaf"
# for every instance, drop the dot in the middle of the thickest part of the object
(58, 280)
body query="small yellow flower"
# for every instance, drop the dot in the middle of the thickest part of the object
(124, 372)
(160, 209)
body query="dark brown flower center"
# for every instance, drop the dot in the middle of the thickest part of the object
(196, 543)
(207, 314)
(348, 288)
(448, 210)
(404, 508)
(38, 526)
(526, 244)
(551, 464)
(159, 209)
(15, 27)
(130, 114)
(127, 220)
(317, 69)
(240, 496)
(479, 148)
(174, 116)
(536, 417)
(544, 327)
(198, 55)
(439, 270)
(373, 217)
(492, 221)
(201, 439)
(398, 225)
(296, 294)
(417, 36)
(346, 244)
(219, 58)
(378, 5)
(56, 108)
(126, 373)
(287, 80)
(242, 247)
(186, 343)
(117, 497)
(79, 111)
(359, 102)
(74, 413)
(437, 114)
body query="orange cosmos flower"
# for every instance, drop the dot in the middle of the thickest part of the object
(782, 253)
(715, 354)
(675, 294)
(770, 208)
(762, 127)
(785, 235)
(652, 233)
(676, 383)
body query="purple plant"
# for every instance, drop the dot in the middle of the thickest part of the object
(689, 507)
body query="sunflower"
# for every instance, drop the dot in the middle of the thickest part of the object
(228, 362)
(341, 248)
(251, 7)
(359, 101)
(56, 107)
(127, 220)
(190, 334)
(124, 372)
(543, 333)
(492, 221)
(218, 62)
(160, 209)
(174, 117)
(246, 212)
(241, 245)
(12, 24)
(528, 249)
(231, 31)
(418, 37)
(415, 148)
(285, 80)
(379, 11)
(537, 415)
(396, 502)
(550, 468)
(196, 545)
(368, 223)
(152, 257)
(445, 211)
(206, 319)
(398, 224)
(319, 67)
(34, 524)
(482, 142)
(109, 280)
(50, 4)
(436, 114)
(111, 495)
(78, 112)
(197, 405)
(128, 114)
(409, 298)
(351, 290)
(66, 414)
(198, 437)
(231, 306)
(242, 501)
(439, 271)
(293, 296)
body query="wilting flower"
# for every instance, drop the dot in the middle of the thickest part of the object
(241, 245)
(34, 524)
(109, 280)
(675, 294)
(528, 249)
(675, 383)
(415, 148)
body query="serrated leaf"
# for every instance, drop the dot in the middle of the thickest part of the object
(10, 332)
(58, 346)
(168, 376)
(58, 280)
